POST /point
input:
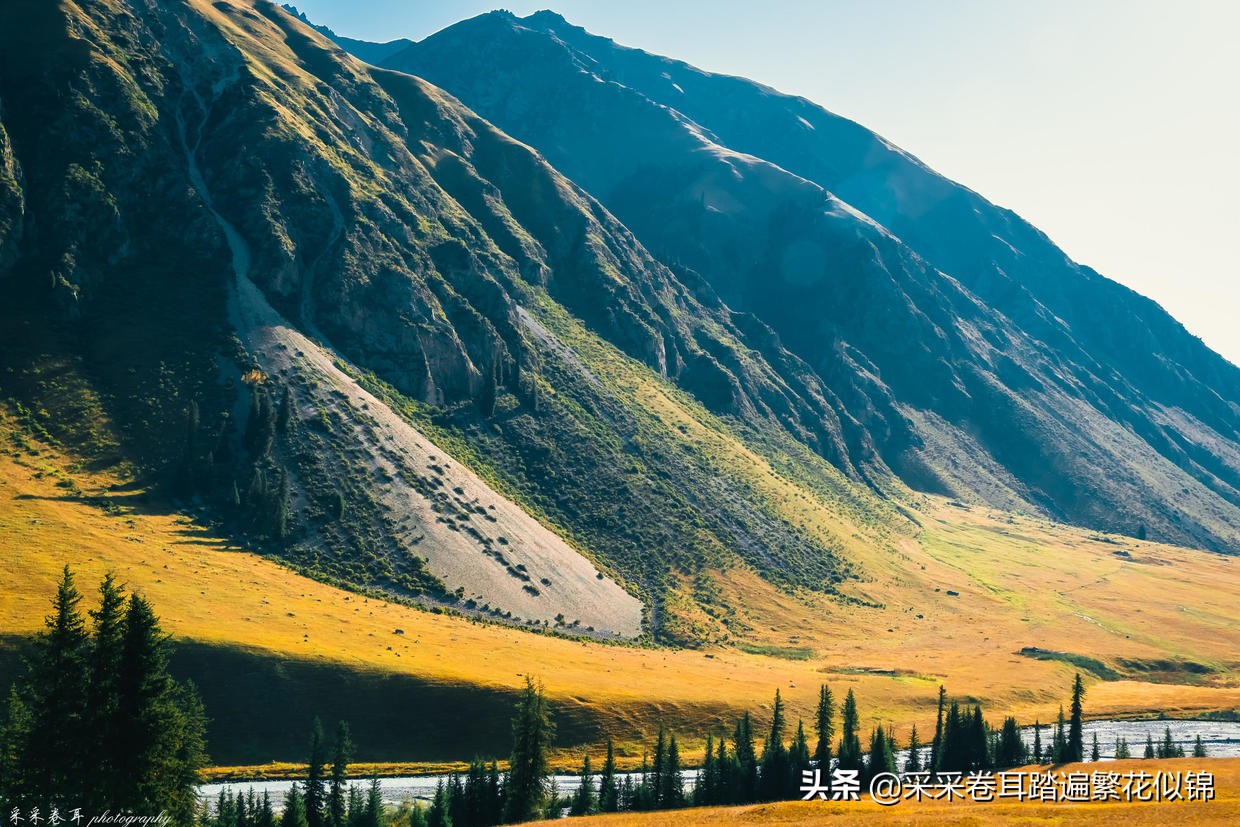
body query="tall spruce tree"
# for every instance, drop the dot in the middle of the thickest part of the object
(1011, 750)
(913, 764)
(672, 785)
(936, 746)
(342, 753)
(608, 791)
(745, 777)
(372, 815)
(725, 788)
(881, 757)
(103, 694)
(584, 802)
(775, 768)
(1037, 741)
(1074, 747)
(57, 741)
(658, 768)
(708, 779)
(850, 757)
(1059, 744)
(1095, 752)
(799, 759)
(316, 785)
(526, 791)
(294, 808)
(824, 725)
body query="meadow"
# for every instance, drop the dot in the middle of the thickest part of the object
(956, 604)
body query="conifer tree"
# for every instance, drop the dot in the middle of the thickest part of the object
(439, 814)
(342, 751)
(457, 805)
(953, 748)
(850, 757)
(532, 730)
(1037, 742)
(725, 786)
(1199, 749)
(1169, 748)
(294, 809)
(708, 778)
(799, 759)
(1074, 748)
(226, 814)
(659, 769)
(266, 815)
(1011, 749)
(1095, 753)
(775, 768)
(1059, 746)
(103, 693)
(372, 815)
(1149, 746)
(824, 725)
(608, 792)
(284, 413)
(978, 740)
(746, 762)
(584, 802)
(55, 741)
(936, 746)
(490, 390)
(494, 797)
(316, 790)
(913, 764)
(628, 794)
(672, 792)
(881, 757)
(161, 740)
(1121, 749)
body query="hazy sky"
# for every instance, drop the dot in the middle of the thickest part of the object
(1112, 125)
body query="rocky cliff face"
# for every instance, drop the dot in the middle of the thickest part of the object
(976, 357)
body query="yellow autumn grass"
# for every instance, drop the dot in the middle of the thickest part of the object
(1020, 583)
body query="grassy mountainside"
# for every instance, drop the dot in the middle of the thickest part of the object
(270, 648)
(980, 361)
(259, 274)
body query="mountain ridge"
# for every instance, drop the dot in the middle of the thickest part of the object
(665, 147)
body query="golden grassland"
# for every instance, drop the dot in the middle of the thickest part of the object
(1224, 809)
(1019, 582)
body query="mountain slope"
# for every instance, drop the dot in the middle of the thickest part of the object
(286, 286)
(981, 361)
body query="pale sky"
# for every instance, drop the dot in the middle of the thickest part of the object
(1112, 125)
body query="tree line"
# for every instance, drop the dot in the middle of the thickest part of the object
(97, 723)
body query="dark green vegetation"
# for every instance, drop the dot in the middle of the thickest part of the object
(447, 264)
(97, 723)
(259, 705)
(962, 349)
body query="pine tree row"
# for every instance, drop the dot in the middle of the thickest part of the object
(97, 723)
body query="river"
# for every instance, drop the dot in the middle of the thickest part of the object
(1221, 740)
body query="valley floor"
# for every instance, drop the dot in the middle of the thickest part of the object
(1156, 625)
